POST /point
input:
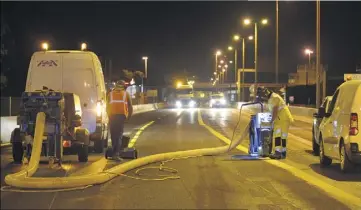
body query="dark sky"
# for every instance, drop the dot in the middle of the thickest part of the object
(184, 35)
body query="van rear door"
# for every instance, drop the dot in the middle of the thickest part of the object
(79, 78)
(45, 70)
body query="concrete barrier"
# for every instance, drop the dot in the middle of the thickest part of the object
(8, 124)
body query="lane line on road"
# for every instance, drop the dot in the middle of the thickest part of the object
(136, 136)
(340, 195)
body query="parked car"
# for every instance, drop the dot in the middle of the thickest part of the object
(339, 137)
(317, 119)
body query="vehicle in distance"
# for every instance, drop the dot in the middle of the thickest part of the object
(217, 100)
(317, 119)
(78, 72)
(185, 103)
(339, 137)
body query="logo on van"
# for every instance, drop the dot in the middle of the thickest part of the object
(49, 63)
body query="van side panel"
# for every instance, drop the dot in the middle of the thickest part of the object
(45, 70)
(79, 78)
(356, 107)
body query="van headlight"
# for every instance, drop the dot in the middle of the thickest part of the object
(99, 109)
(192, 104)
(178, 104)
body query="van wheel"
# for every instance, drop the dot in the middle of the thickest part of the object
(315, 146)
(99, 146)
(18, 152)
(83, 153)
(324, 161)
(345, 164)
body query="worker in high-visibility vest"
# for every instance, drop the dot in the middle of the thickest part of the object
(119, 108)
(281, 119)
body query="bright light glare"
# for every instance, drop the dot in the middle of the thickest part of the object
(247, 21)
(215, 73)
(99, 109)
(83, 46)
(179, 84)
(230, 62)
(308, 51)
(250, 37)
(145, 58)
(219, 66)
(222, 61)
(45, 46)
(230, 48)
(192, 104)
(218, 52)
(223, 70)
(226, 66)
(178, 104)
(264, 21)
(236, 37)
(223, 101)
(212, 101)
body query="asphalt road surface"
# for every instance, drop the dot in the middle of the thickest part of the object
(212, 182)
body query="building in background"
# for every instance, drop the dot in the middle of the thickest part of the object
(305, 75)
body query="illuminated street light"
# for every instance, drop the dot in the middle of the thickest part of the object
(211, 79)
(250, 37)
(218, 52)
(230, 48)
(223, 70)
(264, 21)
(219, 66)
(222, 61)
(215, 73)
(83, 46)
(45, 46)
(230, 62)
(247, 21)
(308, 51)
(236, 37)
(226, 66)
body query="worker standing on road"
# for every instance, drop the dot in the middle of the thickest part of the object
(119, 108)
(281, 120)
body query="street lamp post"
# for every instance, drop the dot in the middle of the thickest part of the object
(308, 52)
(318, 53)
(145, 70)
(248, 22)
(216, 64)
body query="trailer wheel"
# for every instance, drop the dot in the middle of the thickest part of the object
(83, 149)
(18, 152)
(83, 153)
(17, 146)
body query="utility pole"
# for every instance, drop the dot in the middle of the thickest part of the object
(318, 53)
(243, 65)
(276, 62)
(110, 69)
(255, 53)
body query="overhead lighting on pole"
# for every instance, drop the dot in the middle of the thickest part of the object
(45, 46)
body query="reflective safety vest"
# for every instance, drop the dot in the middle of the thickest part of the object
(283, 110)
(118, 103)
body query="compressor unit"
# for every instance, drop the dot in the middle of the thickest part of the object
(62, 126)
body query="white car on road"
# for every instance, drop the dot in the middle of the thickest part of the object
(340, 137)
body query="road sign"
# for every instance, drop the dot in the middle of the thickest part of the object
(351, 77)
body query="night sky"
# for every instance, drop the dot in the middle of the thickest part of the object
(183, 35)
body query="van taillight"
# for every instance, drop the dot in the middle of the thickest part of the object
(99, 111)
(353, 124)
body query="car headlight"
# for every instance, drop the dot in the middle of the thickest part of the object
(178, 104)
(223, 101)
(192, 104)
(212, 101)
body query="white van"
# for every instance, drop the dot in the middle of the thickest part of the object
(78, 72)
(340, 136)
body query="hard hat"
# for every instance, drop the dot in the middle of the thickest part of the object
(263, 93)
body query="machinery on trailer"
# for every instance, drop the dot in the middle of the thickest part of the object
(62, 126)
